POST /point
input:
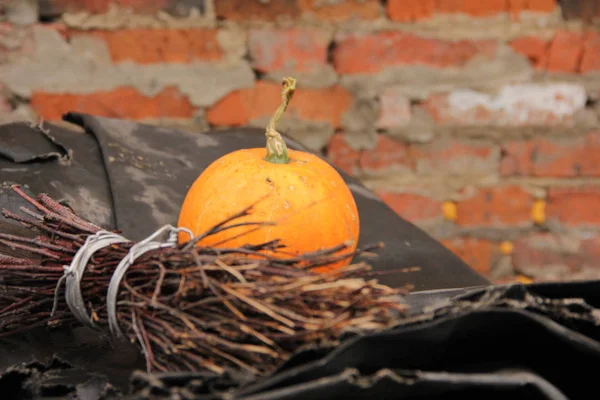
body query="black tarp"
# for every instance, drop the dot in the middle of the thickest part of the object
(463, 339)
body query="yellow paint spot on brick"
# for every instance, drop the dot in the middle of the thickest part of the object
(449, 210)
(524, 279)
(506, 247)
(538, 212)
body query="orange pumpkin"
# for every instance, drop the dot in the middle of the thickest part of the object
(308, 203)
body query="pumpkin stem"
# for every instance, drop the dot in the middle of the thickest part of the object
(276, 149)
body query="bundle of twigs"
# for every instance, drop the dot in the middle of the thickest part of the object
(189, 307)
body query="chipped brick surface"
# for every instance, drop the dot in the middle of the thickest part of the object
(506, 206)
(124, 103)
(387, 49)
(151, 46)
(514, 105)
(290, 50)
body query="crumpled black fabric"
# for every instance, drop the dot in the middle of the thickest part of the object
(519, 342)
(536, 341)
(133, 177)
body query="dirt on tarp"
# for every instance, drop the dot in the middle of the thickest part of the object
(538, 341)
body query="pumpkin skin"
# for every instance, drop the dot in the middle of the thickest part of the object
(307, 201)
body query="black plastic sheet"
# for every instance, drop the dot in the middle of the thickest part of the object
(463, 338)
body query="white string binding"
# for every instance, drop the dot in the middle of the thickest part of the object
(135, 251)
(74, 272)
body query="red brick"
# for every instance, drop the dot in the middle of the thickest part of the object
(542, 5)
(150, 46)
(565, 52)
(102, 6)
(415, 10)
(477, 253)
(589, 249)
(342, 155)
(551, 158)
(474, 8)
(574, 206)
(91, 6)
(515, 105)
(242, 10)
(590, 60)
(387, 154)
(454, 157)
(534, 48)
(311, 104)
(393, 48)
(294, 50)
(410, 10)
(412, 207)
(5, 105)
(395, 110)
(144, 6)
(496, 207)
(342, 10)
(542, 253)
(123, 102)
(515, 7)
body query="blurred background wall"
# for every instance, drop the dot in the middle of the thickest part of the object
(477, 120)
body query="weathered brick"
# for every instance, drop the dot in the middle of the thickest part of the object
(552, 158)
(574, 206)
(565, 52)
(342, 10)
(547, 256)
(589, 249)
(150, 46)
(456, 158)
(395, 109)
(56, 7)
(241, 10)
(410, 10)
(388, 154)
(294, 50)
(414, 10)
(394, 48)
(472, 7)
(514, 105)
(124, 102)
(541, 5)
(342, 155)
(477, 253)
(590, 60)
(534, 48)
(579, 9)
(515, 7)
(5, 105)
(412, 207)
(496, 207)
(242, 106)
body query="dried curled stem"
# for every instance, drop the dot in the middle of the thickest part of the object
(276, 148)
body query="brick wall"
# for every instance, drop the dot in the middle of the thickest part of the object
(476, 120)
